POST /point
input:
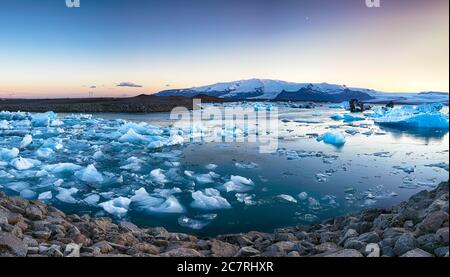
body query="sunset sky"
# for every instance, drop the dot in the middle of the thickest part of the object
(118, 47)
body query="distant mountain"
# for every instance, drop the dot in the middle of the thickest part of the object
(265, 89)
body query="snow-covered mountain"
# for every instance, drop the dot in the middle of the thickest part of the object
(282, 90)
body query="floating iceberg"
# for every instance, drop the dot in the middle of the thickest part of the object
(132, 137)
(62, 168)
(238, 184)
(8, 154)
(92, 199)
(209, 199)
(196, 223)
(334, 138)
(158, 175)
(303, 195)
(45, 153)
(157, 203)
(89, 175)
(286, 198)
(28, 194)
(27, 140)
(24, 164)
(351, 118)
(426, 116)
(66, 195)
(250, 165)
(4, 125)
(118, 206)
(45, 196)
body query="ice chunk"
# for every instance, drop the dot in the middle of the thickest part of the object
(439, 165)
(40, 120)
(133, 164)
(195, 224)
(334, 138)
(321, 178)
(28, 194)
(45, 196)
(245, 198)
(286, 198)
(352, 131)
(303, 195)
(4, 125)
(175, 140)
(45, 153)
(66, 195)
(132, 137)
(8, 154)
(238, 184)
(211, 166)
(313, 203)
(24, 164)
(351, 118)
(337, 117)
(209, 199)
(157, 204)
(17, 186)
(158, 175)
(406, 168)
(89, 175)
(427, 116)
(92, 199)
(189, 173)
(246, 165)
(62, 168)
(205, 178)
(118, 206)
(27, 140)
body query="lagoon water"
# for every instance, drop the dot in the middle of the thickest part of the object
(303, 181)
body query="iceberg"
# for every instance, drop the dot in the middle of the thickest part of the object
(211, 166)
(286, 198)
(40, 120)
(89, 175)
(334, 138)
(195, 224)
(159, 203)
(426, 116)
(209, 199)
(303, 195)
(45, 153)
(62, 168)
(8, 154)
(132, 137)
(250, 165)
(118, 206)
(28, 194)
(24, 164)
(66, 195)
(92, 199)
(158, 175)
(245, 198)
(238, 184)
(45, 196)
(26, 141)
(4, 125)
(351, 118)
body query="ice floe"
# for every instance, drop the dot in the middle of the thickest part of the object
(209, 199)
(89, 175)
(27, 140)
(238, 184)
(118, 206)
(286, 198)
(334, 138)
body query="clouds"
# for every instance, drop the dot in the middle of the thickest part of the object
(129, 84)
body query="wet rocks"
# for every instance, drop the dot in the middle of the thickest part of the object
(416, 228)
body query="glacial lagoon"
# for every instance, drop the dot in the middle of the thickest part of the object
(134, 167)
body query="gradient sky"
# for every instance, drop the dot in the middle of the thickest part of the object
(48, 50)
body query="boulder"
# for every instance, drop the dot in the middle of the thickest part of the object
(10, 244)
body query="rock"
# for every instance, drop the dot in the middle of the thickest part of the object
(293, 254)
(146, 248)
(284, 237)
(34, 213)
(12, 245)
(417, 252)
(371, 237)
(387, 251)
(181, 252)
(441, 251)
(372, 250)
(104, 247)
(346, 253)
(223, 249)
(159, 233)
(428, 242)
(129, 227)
(329, 237)
(405, 243)
(383, 221)
(42, 235)
(432, 222)
(72, 250)
(247, 251)
(327, 247)
(355, 244)
(442, 235)
(350, 233)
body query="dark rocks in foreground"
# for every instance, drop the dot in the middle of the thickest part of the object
(418, 227)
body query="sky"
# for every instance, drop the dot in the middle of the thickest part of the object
(129, 47)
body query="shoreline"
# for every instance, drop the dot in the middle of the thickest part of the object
(418, 227)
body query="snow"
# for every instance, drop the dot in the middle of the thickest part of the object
(334, 138)
(89, 175)
(209, 199)
(118, 206)
(27, 140)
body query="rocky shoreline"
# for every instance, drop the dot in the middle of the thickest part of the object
(418, 227)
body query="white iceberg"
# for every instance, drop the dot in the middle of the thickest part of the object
(45, 196)
(66, 195)
(62, 168)
(158, 175)
(92, 199)
(118, 206)
(26, 141)
(28, 194)
(4, 125)
(195, 224)
(303, 195)
(45, 153)
(286, 198)
(132, 137)
(23, 163)
(238, 184)
(209, 199)
(89, 175)
(157, 203)
(8, 154)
